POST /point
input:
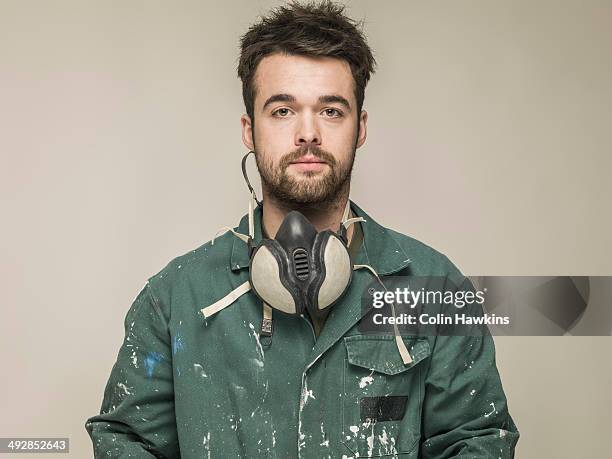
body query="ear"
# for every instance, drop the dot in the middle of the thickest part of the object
(363, 128)
(247, 132)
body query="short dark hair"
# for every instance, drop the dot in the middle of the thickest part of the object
(318, 29)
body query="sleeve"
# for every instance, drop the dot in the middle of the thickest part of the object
(465, 411)
(137, 415)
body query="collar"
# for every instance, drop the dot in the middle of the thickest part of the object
(380, 250)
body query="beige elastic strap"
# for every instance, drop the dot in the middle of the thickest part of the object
(346, 221)
(401, 346)
(350, 221)
(251, 218)
(403, 350)
(241, 236)
(368, 267)
(224, 229)
(226, 300)
(347, 210)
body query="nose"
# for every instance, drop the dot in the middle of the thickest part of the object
(307, 132)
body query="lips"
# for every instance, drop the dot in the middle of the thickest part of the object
(309, 160)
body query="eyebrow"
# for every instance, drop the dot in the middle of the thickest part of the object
(328, 99)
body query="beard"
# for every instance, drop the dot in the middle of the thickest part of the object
(311, 188)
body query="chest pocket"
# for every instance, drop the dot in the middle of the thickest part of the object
(382, 397)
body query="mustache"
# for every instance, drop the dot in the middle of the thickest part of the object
(303, 151)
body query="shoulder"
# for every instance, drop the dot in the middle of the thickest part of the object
(425, 260)
(201, 268)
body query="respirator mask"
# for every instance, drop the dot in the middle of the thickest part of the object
(300, 270)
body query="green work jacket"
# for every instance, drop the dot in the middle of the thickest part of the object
(193, 387)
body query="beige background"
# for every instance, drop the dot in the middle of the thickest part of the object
(489, 139)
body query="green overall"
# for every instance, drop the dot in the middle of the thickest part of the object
(191, 387)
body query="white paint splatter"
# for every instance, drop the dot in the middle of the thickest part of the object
(383, 438)
(306, 394)
(371, 441)
(256, 336)
(134, 359)
(325, 441)
(199, 370)
(263, 399)
(492, 411)
(206, 443)
(125, 389)
(301, 443)
(367, 423)
(366, 380)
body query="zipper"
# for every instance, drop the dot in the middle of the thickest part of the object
(314, 336)
(301, 394)
(299, 439)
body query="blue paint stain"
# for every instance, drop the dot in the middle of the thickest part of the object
(177, 344)
(150, 361)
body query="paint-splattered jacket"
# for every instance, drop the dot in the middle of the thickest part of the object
(190, 387)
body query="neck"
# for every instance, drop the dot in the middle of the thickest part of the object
(324, 216)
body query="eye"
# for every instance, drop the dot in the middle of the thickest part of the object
(332, 113)
(281, 112)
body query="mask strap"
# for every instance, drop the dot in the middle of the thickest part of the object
(224, 229)
(346, 221)
(244, 237)
(347, 211)
(226, 300)
(246, 177)
(350, 221)
(401, 346)
(252, 201)
(266, 322)
(231, 297)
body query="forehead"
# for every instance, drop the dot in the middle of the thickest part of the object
(307, 78)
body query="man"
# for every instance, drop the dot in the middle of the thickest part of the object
(192, 385)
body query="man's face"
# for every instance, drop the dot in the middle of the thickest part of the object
(306, 127)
